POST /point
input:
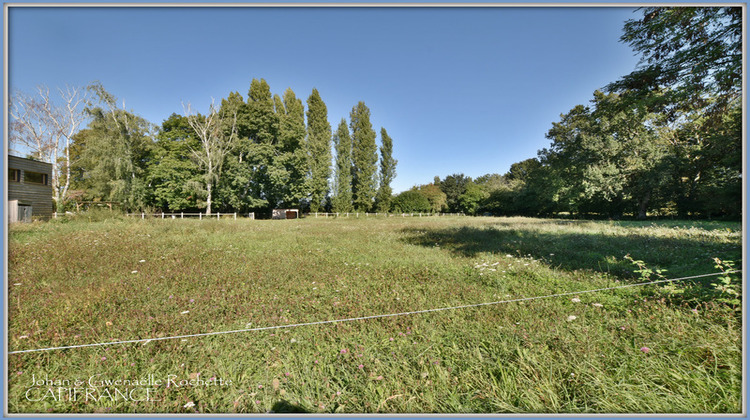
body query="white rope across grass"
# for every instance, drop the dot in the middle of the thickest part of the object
(474, 305)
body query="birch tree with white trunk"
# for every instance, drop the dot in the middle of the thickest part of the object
(46, 129)
(216, 143)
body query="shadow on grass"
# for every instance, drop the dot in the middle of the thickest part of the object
(284, 406)
(570, 251)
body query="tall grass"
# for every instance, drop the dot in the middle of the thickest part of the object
(626, 350)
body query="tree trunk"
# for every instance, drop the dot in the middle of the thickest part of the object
(64, 193)
(642, 205)
(208, 199)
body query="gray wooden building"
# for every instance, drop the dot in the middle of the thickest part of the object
(29, 189)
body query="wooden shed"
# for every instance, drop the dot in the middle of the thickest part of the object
(29, 189)
(280, 214)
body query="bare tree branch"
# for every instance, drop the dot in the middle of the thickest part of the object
(215, 144)
(46, 129)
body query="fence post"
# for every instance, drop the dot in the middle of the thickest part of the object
(218, 215)
(143, 216)
(182, 215)
(200, 216)
(162, 215)
(235, 215)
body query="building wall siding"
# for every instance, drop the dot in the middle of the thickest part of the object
(36, 195)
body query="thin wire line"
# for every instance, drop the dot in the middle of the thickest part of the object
(473, 305)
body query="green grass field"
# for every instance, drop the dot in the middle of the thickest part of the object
(649, 349)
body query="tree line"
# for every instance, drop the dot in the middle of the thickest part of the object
(249, 155)
(664, 140)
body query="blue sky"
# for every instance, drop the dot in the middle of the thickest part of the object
(460, 90)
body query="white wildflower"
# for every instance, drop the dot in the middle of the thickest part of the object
(572, 318)
(142, 261)
(134, 272)
(189, 404)
(184, 312)
(598, 305)
(575, 300)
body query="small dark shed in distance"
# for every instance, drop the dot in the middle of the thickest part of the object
(285, 214)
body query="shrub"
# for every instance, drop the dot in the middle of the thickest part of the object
(411, 201)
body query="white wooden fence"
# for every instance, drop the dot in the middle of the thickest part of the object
(200, 216)
(358, 215)
(219, 215)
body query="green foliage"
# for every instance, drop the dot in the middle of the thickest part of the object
(503, 201)
(521, 171)
(646, 274)
(318, 149)
(436, 197)
(471, 199)
(728, 289)
(693, 52)
(245, 156)
(491, 182)
(288, 171)
(364, 158)
(174, 176)
(387, 172)
(342, 198)
(263, 121)
(411, 201)
(453, 186)
(616, 157)
(114, 152)
(661, 142)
